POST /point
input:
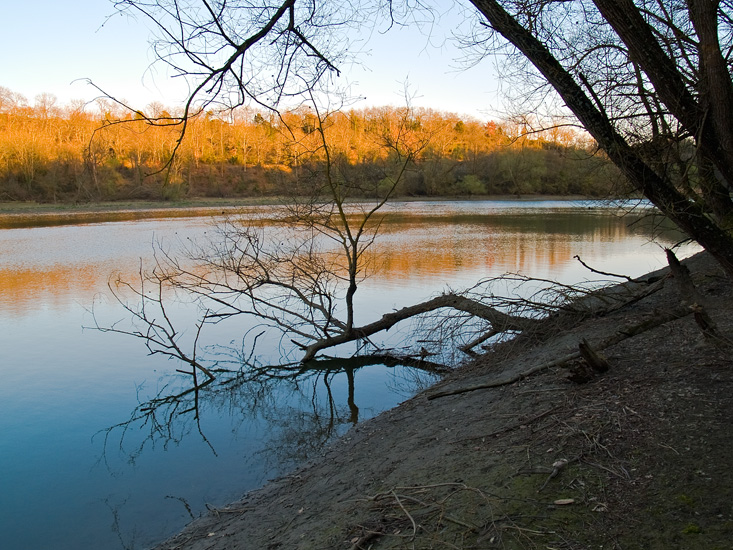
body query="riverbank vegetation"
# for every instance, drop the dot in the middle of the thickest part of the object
(81, 153)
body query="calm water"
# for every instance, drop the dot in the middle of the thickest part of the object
(84, 465)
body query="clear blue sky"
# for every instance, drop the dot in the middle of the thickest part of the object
(48, 44)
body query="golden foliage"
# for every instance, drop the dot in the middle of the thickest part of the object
(78, 153)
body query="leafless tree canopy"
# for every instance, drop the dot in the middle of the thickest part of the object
(235, 51)
(650, 81)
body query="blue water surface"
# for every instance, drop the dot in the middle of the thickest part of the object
(75, 475)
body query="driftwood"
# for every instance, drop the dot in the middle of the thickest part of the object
(500, 322)
(594, 360)
(606, 273)
(688, 292)
(691, 302)
(593, 363)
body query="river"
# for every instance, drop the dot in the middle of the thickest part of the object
(86, 463)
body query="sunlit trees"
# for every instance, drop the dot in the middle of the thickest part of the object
(83, 152)
(293, 274)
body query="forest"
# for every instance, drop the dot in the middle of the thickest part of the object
(85, 152)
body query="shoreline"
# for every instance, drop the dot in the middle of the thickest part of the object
(31, 214)
(641, 449)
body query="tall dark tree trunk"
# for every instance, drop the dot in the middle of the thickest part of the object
(707, 118)
(688, 215)
(716, 96)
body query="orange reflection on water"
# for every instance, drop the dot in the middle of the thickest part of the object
(489, 250)
(23, 290)
(434, 251)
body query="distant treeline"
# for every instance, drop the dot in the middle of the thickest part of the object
(80, 153)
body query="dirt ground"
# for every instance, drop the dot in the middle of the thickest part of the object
(636, 457)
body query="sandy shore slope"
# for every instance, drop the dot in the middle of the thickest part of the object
(637, 457)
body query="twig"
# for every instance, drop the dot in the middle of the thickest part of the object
(625, 477)
(364, 539)
(556, 467)
(185, 504)
(507, 381)
(414, 525)
(589, 268)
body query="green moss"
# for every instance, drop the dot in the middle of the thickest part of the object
(692, 529)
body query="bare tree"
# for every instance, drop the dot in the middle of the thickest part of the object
(297, 269)
(644, 78)
(290, 280)
(239, 52)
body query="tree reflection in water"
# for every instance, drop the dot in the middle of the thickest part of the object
(295, 431)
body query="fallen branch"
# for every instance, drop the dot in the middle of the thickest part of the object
(594, 360)
(691, 296)
(606, 273)
(497, 319)
(414, 525)
(435, 506)
(618, 300)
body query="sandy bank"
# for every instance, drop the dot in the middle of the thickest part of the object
(638, 457)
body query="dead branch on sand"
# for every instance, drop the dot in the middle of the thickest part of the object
(690, 303)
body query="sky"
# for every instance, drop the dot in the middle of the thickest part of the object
(48, 46)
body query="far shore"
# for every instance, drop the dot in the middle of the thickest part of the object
(28, 214)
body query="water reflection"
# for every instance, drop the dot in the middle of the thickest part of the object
(168, 446)
(298, 402)
(46, 267)
(528, 242)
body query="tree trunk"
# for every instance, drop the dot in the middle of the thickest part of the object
(689, 216)
(716, 95)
